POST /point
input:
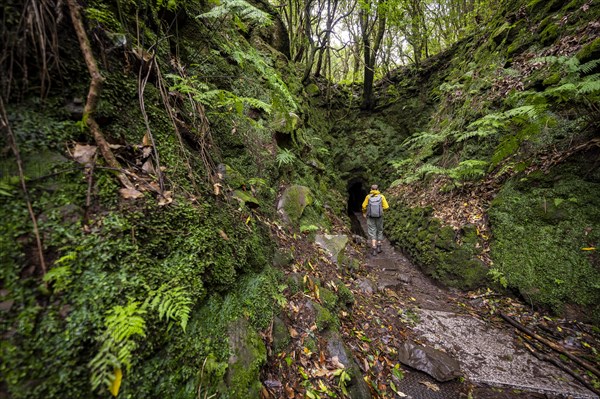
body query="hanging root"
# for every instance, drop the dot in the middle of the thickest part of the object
(4, 125)
(94, 92)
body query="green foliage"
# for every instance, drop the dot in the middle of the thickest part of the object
(241, 11)
(539, 228)
(285, 157)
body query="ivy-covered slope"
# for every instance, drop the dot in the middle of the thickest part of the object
(496, 138)
(157, 290)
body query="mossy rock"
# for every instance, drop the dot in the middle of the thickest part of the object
(281, 335)
(313, 90)
(328, 298)
(233, 178)
(549, 34)
(246, 198)
(345, 296)
(589, 52)
(357, 387)
(248, 354)
(333, 244)
(324, 319)
(282, 258)
(293, 201)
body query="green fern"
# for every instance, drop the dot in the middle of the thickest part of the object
(125, 324)
(173, 304)
(423, 139)
(469, 170)
(285, 157)
(239, 9)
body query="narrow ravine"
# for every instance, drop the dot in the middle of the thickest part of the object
(489, 355)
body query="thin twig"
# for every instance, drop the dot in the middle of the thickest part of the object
(15, 148)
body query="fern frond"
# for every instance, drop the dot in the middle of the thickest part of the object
(423, 139)
(479, 133)
(239, 8)
(429, 169)
(589, 66)
(589, 87)
(469, 170)
(171, 303)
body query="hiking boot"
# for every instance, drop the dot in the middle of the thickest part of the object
(374, 252)
(379, 250)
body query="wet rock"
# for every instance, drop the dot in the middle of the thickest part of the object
(293, 201)
(334, 245)
(357, 387)
(437, 364)
(365, 286)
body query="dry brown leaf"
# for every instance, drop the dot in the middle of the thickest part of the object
(165, 198)
(293, 332)
(430, 385)
(148, 167)
(130, 193)
(83, 153)
(146, 140)
(223, 235)
(335, 362)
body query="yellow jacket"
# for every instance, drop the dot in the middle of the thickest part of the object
(384, 203)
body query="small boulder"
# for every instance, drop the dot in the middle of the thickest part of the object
(437, 364)
(357, 387)
(334, 245)
(293, 201)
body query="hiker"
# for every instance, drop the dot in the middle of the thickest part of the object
(372, 209)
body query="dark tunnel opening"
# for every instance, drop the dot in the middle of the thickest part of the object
(356, 195)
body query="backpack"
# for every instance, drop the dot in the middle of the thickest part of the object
(374, 208)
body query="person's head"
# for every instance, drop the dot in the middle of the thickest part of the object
(374, 187)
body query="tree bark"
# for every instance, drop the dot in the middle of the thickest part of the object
(94, 92)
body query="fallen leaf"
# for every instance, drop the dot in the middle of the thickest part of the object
(430, 385)
(223, 235)
(130, 193)
(588, 249)
(116, 382)
(146, 140)
(335, 361)
(83, 153)
(165, 199)
(293, 332)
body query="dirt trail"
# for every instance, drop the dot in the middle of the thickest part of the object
(489, 355)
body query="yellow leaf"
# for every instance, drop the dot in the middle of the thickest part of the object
(116, 383)
(248, 220)
(412, 299)
(588, 249)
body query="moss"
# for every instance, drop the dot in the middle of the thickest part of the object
(345, 295)
(552, 79)
(328, 298)
(549, 34)
(248, 355)
(589, 52)
(539, 229)
(324, 319)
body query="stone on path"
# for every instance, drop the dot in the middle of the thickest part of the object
(437, 364)
(334, 245)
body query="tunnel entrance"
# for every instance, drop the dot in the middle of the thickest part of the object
(356, 195)
(357, 192)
